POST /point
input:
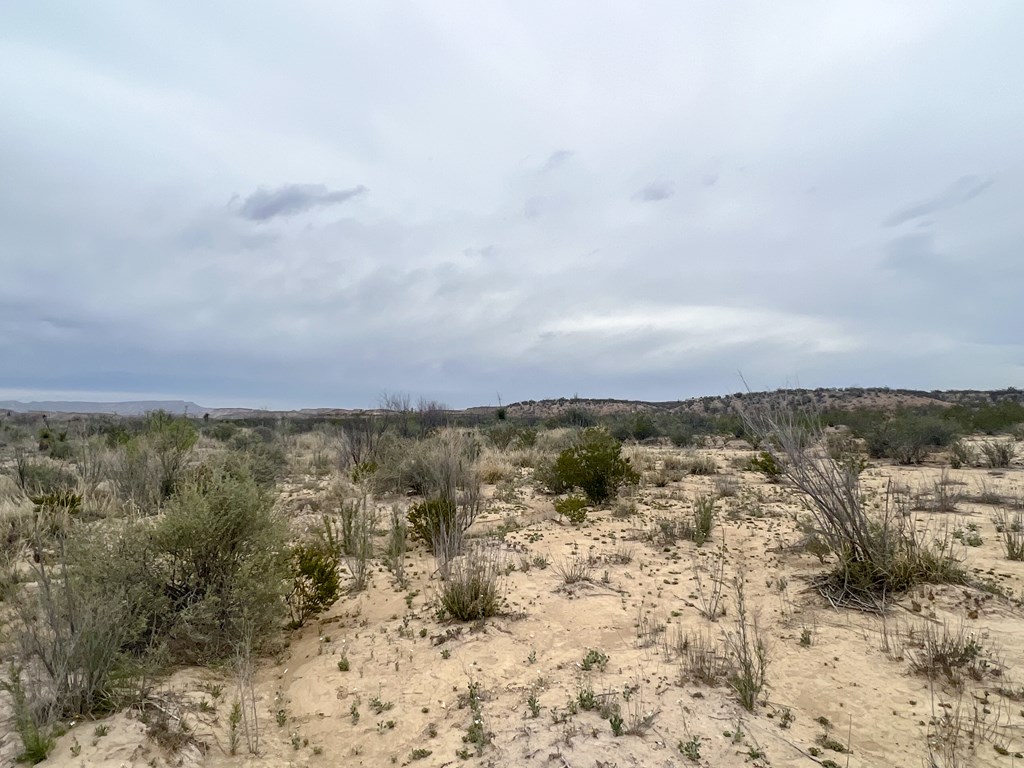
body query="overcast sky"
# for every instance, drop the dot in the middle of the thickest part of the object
(309, 203)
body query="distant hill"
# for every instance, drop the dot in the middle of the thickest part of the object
(842, 398)
(845, 398)
(129, 408)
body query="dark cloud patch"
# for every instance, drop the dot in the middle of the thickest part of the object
(292, 199)
(654, 192)
(962, 190)
(556, 160)
(912, 253)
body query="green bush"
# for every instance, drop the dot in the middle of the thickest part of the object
(594, 465)
(907, 438)
(429, 518)
(171, 440)
(225, 550)
(315, 582)
(572, 508)
(38, 476)
(767, 465)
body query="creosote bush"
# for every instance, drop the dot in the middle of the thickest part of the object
(594, 464)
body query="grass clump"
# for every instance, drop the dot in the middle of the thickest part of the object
(472, 589)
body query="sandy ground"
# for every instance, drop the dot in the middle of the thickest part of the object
(831, 683)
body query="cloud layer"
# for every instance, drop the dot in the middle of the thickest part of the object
(466, 200)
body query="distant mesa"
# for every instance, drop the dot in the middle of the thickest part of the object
(130, 408)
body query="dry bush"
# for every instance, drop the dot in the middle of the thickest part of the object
(495, 467)
(1010, 526)
(998, 453)
(748, 651)
(877, 555)
(574, 570)
(950, 655)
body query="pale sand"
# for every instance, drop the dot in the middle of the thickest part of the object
(873, 701)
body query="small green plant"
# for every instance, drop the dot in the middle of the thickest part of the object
(703, 518)
(477, 733)
(617, 723)
(378, 706)
(594, 659)
(343, 663)
(419, 754)
(690, 749)
(353, 711)
(533, 702)
(281, 717)
(573, 508)
(805, 637)
(234, 723)
(768, 465)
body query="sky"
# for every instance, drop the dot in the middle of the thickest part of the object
(308, 204)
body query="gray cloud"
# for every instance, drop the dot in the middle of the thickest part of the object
(292, 199)
(654, 192)
(962, 190)
(470, 270)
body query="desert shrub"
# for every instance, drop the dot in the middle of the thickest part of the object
(221, 431)
(574, 416)
(767, 465)
(445, 472)
(701, 464)
(952, 655)
(268, 463)
(90, 614)
(315, 583)
(748, 652)
(38, 476)
(574, 570)
(398, 535)
(962, 454)
(572, 508)
(472, 588)
(595, 466)
(907, 438)
(495, 467)
(225, 549)
(171, 440)
(136, 474)
(998, 453)
(1011, 533)
(427, 518)
(877, 555)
